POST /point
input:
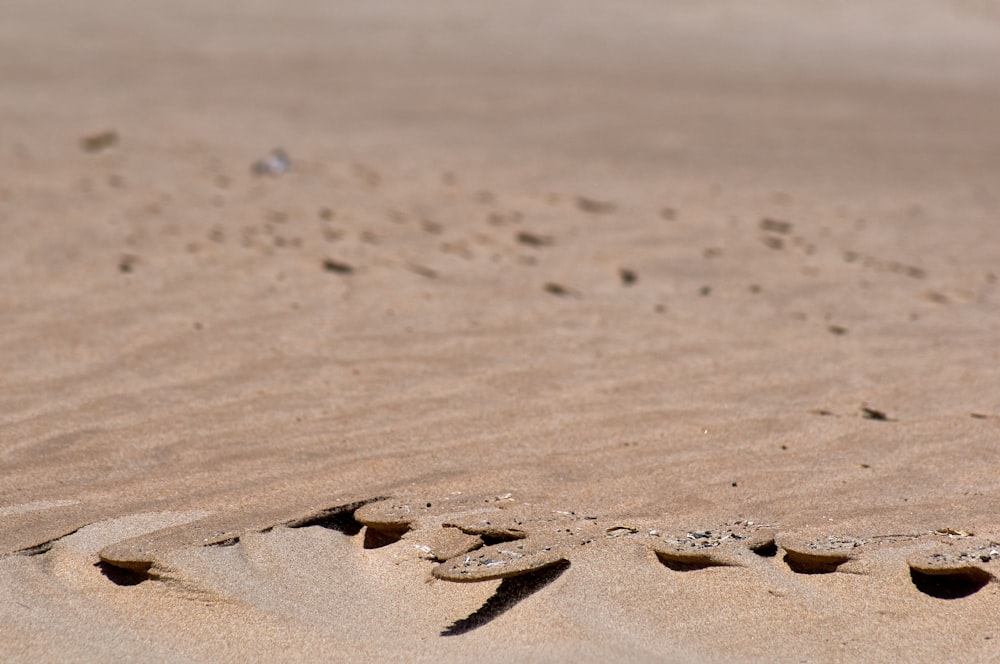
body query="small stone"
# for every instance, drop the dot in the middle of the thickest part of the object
(277, 162)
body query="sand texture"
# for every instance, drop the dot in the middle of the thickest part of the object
(523, 331)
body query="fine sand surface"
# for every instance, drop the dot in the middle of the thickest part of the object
(621, 331)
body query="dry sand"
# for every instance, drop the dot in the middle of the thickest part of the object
(596, 331)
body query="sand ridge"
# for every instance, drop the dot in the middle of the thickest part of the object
(279, 581)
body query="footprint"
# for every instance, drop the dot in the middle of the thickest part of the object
(144, 554)
(475, 519)
(501, 561)
(476, 538)
(689, 562)
(955, 571)
(822, 555)
(733, 545)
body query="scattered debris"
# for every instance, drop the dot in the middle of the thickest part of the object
(337, 267)
(872, 414)
(276, 163)
(774, 226)
(127, 263)
(872, 263)
(560, 290)
(533, 240)
(911, 271)
(711, 252)
(422, 271)
(594, 206)
(432, 227)
(100, 141)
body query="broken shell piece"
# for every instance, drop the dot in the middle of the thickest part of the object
(499, 561)
(951, 532)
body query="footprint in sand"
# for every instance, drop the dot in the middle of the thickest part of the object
(477, 538)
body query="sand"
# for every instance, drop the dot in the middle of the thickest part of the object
(640, 331)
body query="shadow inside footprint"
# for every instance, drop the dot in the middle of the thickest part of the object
(376, 538)
(339, 518)
(342, 522)
(802, 563)
(43, 547)
(511, 590)
(229, 541)
(766, 549)
(688, 563)
(950, 585)
(36, 550)
(496, 538)
(122, 576)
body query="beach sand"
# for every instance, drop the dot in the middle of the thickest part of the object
(634, 332)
